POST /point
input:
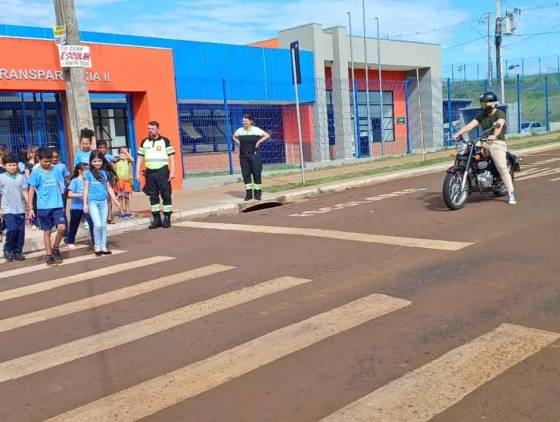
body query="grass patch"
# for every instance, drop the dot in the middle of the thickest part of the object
(355, 175)
(533, 143)
(387, 169)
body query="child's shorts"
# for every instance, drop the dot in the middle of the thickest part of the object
(51, 217)
(124, 188)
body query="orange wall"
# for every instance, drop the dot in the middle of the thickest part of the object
(392, 81)
(289, 121)
(272, 43)
(146, 73)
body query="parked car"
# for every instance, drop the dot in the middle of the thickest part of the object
(532, 127)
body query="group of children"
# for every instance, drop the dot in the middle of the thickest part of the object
(37, 189)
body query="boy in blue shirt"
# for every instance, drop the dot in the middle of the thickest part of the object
(46, 182)
(13, 197)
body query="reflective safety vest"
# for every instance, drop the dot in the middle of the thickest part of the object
(156, 152)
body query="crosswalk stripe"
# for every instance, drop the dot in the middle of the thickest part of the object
(42, 253)
(166, 390)
(333, 234)
(543, 173)
(58, 355)
(76, 278)
(109, 297)
(429, 390)
(38, 267)
(555, 180)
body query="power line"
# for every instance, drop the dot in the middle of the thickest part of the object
(464, 43)
(430, 31)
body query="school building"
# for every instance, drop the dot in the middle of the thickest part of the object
(199, 91)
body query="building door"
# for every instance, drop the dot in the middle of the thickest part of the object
(111, 125)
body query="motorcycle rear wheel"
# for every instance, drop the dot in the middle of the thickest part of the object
(452, 195)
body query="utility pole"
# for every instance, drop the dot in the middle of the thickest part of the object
(380, 91)
(499, 61)
(487, 21)
(76, 105)
(370, 152)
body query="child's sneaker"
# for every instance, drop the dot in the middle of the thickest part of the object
(19, 257)
(106, 252)
(57, 255)
(97, 251)
(51, 260)
(8, 257)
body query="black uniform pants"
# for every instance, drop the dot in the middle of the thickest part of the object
(158, 184)
(251, 166)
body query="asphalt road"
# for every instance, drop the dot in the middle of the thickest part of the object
(375, 304)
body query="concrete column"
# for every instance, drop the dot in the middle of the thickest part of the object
(432, 111)
(77, 105)
(321, 126)
(344, 134)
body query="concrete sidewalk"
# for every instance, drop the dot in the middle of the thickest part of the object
(195, 202)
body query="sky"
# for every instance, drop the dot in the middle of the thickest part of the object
(455, 24)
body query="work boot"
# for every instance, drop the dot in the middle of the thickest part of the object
(156, 224)
(258, 194)
(166, 220)
(248, 194)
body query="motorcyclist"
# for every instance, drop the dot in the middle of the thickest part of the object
(496, 144)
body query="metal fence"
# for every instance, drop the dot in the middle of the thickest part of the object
(524, 66)
(337, 125)
(532, 102)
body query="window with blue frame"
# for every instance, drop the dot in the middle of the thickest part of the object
(375, 115)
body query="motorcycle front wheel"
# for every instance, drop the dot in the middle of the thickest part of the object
(454, 198)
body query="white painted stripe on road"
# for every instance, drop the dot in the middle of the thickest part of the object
(76, 278)
(431, 389)
(410, 242)
(543, 173)
(38, 267)
(35, 362)
(109, 297)
(159, 393)
(555, 180)
(42, 253)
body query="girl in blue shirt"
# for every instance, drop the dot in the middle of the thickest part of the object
(97, 188)
(76, 194)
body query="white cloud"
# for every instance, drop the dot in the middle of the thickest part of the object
(246, 21)
(26, 12)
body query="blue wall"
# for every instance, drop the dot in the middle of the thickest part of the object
(251, 73)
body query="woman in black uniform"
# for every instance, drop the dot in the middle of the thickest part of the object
(249, 138)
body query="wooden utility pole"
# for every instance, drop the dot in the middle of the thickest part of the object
(76, 104)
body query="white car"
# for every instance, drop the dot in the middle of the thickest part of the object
(532, 127)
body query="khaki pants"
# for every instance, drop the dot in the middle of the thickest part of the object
(498, 152)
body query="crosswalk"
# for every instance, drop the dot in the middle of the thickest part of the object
(451, 377)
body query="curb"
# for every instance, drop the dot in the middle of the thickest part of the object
(299, 195)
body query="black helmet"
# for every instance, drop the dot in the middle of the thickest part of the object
(489, 96)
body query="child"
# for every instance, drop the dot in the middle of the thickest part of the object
(22, 160)
(3, 153)
(29, 165)
(102, 148)
(82, 156)
(13, 196)
(47, 182)
(97, 190)
(76, 194)
(123, 168)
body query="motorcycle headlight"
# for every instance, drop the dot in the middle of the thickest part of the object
(462, 148)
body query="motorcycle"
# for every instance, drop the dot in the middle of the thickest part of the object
(474, 171)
